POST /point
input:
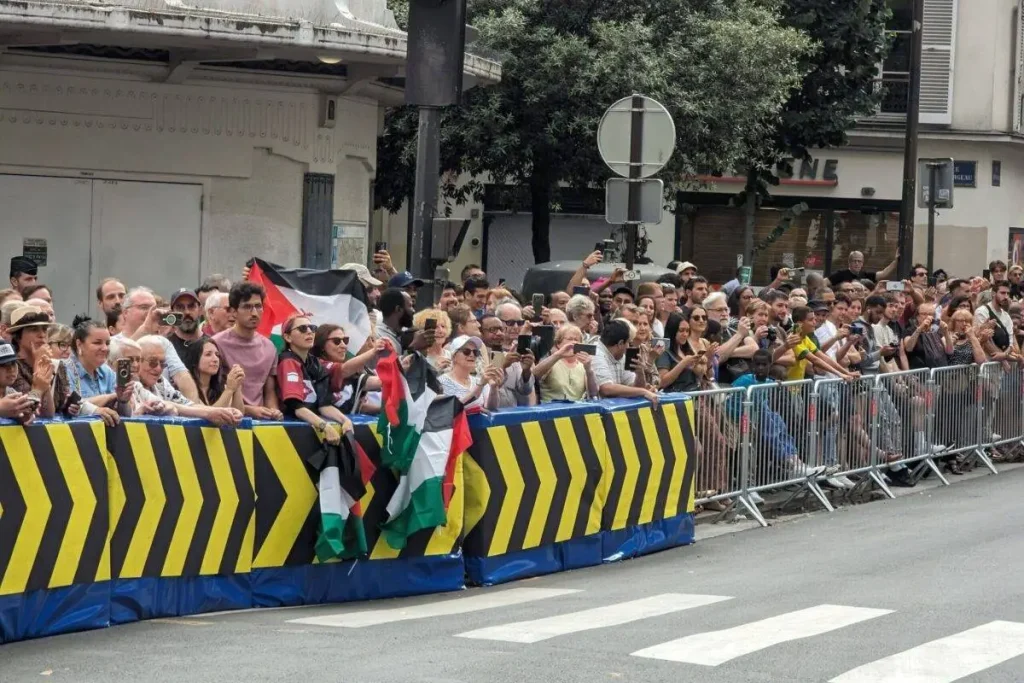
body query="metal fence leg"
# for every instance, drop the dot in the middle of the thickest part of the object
(874, 413)
(744, 496)
(979, 439)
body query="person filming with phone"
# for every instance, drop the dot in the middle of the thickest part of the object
(567, 373)
(614, 379)
(14, 405)
(516, 358)
(141, 318)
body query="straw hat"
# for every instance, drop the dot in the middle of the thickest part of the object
(28, 316)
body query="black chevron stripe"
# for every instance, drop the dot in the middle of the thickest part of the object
(563, 477)
(60, 511)
(96, 470)
(588, 449)
(173, 500)
(120, 448)
(375, 514)
(211, 500)
(13, 503)
(246, 502)
(478, 540)
(615, 492)
(531, 481)
(305, 441)
(691, 457)
(661, 426)
(644, 456)
(269, 491)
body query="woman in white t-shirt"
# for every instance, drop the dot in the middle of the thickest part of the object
(473, 390)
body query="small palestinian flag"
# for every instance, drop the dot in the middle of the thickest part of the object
(423, 436)
(344, 471)
(328, 296)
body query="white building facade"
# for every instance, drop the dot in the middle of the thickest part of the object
(161, 145)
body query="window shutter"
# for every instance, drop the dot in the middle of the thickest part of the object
(1018, 84)
(938, 42)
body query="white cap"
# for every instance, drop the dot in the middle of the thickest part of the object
(683, 266)
(363, 273)
(464, 339)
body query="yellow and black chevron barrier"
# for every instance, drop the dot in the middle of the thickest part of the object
(287, 513)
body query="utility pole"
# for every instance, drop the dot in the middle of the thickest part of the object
(906, 231)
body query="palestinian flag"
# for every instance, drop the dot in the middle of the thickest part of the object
(328, 296)
(344, 471)
(423, 435)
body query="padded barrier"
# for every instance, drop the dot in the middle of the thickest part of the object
(167, 517)
(563, 486)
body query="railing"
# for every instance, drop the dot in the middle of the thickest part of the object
(806, 435)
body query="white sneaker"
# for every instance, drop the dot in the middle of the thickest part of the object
(840, 483)
(847, 482)
(755, 498)
(939, 448)
(997, 437)
(801, 469)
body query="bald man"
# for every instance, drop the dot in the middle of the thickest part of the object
(856, 271)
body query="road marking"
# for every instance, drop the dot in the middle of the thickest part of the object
(717, 647)
(472, 603)
(946, 659)
(599, 617)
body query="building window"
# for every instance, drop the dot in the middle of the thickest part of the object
(896, 66)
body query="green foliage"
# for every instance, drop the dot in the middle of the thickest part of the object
(723, 68)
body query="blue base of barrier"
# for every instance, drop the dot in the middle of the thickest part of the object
(359, 580)
(588, 551)
(59, 610)
(152, 598)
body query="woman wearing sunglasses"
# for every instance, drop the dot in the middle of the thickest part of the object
(460, 381)
(330, 345)
(306, 385)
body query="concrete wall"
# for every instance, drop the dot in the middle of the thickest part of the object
(247, 145)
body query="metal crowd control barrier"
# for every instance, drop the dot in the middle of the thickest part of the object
(718, 442)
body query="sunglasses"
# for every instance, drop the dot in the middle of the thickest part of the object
(470, 353)
(304, 329)
(156, 363)
(338, 341)
(698, 317)
(513, 323)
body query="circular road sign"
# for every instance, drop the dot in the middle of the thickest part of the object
(614, 136)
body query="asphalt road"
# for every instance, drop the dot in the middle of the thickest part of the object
(922, 589)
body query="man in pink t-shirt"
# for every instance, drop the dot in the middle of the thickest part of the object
(242, 345)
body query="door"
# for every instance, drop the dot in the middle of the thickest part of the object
(58, 210)
(147, 234)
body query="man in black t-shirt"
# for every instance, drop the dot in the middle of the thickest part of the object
(856, 271)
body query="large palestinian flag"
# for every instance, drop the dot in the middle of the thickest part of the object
(423, 436)
(329, 296)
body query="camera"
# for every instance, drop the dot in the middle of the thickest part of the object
(857, 328)
(772, 335)
(171, 319)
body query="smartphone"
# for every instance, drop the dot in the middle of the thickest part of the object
(73, 399)
(538, 305)
(124, 372)
(932, 281)
(663, 341)
(523, 343)
(581, 289)
(987, 274)
(630, 358)
(545, 335)
(894, 286)
(600, 246)
(171, 319)
(380, 246)
(589, 349)
(429, 324)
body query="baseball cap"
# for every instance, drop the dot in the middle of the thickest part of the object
(183, 293)
(684, 265)
(464, 339)
(363, 273)
(7, 354)
(403, 280)
(817, 305)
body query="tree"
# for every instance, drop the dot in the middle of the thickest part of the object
(723, 68)
(841, 70)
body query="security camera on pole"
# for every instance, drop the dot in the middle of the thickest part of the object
(636, 138)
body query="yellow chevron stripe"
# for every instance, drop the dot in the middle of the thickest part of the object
(513, 477)
(37, 509)
(446, 538)
(679, 449)
(300, 494)
(647, 511)
(595, 427)
(115, 494)
(153, 490)
(546, 489)
(691, 492)
(83, 502)
(245, 553)
(577, 477)
(476, 494)
(218, 457)
(192, 501)
(629, 484)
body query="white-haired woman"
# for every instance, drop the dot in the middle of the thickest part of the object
(566, 375)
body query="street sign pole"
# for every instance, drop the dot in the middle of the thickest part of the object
(636, 146)
(933, 183)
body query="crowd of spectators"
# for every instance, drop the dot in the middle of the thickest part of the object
(198, 353)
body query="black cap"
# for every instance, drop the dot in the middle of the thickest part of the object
(817, 305)
(23, 264)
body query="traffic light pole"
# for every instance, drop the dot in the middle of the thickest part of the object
(906, 231)
(424, 204)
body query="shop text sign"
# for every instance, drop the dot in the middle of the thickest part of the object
(965, 173)
(813, 169)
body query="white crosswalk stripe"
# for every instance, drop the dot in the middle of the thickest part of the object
(471, 603)
(598, 617)
(717, 647)
(946, 659)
